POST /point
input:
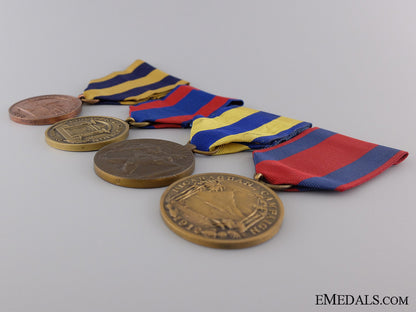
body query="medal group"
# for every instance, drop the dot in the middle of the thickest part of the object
(212, 209)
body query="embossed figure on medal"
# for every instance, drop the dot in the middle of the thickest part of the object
(222, 210)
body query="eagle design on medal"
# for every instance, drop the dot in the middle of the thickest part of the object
(219, 211)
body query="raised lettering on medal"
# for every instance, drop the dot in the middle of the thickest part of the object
(222, 210)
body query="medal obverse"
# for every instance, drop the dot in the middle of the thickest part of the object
(88, 133)
(144, 163)
(222, 210)
(45, 109)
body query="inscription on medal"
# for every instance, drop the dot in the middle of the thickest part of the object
(86, 133)
(222, 210)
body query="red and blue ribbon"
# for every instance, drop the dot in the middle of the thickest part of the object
(179, 108)
(318, 159)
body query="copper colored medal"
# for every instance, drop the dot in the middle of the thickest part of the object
(222, 210)
(144, 163)
(88, 133)
(45, 109)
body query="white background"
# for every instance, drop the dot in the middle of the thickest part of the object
(70, 241)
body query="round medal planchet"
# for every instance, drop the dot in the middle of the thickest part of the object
(45, 109)
(222, 210)
(144, 163)
(87, 133)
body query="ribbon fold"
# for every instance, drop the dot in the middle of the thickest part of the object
(319, 159)
(180, 107)
(243, 128)
(138, 83)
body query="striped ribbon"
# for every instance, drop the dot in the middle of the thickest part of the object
(319, 159)
(180, 107)
(138, 83)
(243, 128)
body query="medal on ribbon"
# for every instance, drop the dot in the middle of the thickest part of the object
(139, 163)
(138, 83)
(213, 209)
(243, 128)
(319, 159)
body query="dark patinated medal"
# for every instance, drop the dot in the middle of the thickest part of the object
(144, 163)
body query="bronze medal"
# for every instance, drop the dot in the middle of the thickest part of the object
(88, 133)
(222, 210)
(144, 163)
(45, 109)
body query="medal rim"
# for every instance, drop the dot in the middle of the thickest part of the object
(144, 183)
(85, 147)
(46, 120)
(226, 243)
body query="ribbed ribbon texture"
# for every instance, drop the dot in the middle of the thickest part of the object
(180, 107)
(138, 83)
(319, 159)
(243, 128)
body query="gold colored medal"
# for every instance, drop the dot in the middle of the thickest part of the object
(222, 210)
(88, 133)
(144, 163)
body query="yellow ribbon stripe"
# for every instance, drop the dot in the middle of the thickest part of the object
(243, 128)
(138, 83)
(128, 70)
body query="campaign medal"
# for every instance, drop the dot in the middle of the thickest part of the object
(149, 163)
(45, 109)
(144, 163)
(86, 133)
(222, 210)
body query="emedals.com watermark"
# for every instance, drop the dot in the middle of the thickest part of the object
(362, 300)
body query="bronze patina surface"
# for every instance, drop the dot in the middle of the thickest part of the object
(45, 109)
(222, 210)
(144, 163)
(88, 133)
